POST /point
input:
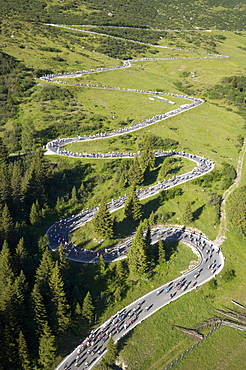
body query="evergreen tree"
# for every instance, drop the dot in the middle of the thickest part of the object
(59, 299)
(6, 271)
(3, 153)
(119, 272)
(16, 181)
(78, 309)
(133, 207)
(5, 186)
(101, 266)
(188, 215)
(21, 290)
(135, 173)
(35, 213)
(62, 258)
(88, 308)
(166, 168)
(39, 308)
(161, 252)
(103, 221)
(21, 255)
(47, 348)
(137, 259)
(43, 243)
(149, 249)
(147, 155)
(152, 219)
(111, 353)
(44, 271)
(24, 355)
(74, 197)
(7, 224)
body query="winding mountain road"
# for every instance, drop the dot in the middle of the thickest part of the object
(211, 260)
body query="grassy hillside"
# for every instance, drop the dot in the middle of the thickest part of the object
(206, 14)
(34, 112)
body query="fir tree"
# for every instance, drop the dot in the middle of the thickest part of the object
(166, 168)
(101, 266)
(111, 353)
(78, 309)
(16, 189)
(44, 271)
(88, 308)
(135, 173)
(5, 185)
(137, 259)
(21, 290)
(119, 272)
(103, 221)
(62, 258)
(6, 271)
(152, 219)
(43, 243)
(39, 308)
(47, 348)
(21, 255)
(7, 224)
(35, 213)
(3, 153)
(188, 215)
(59, 299)
(24, 355)
(149, 249)
(161, 252)
(133, 207)
(147, 155)
(74, 197)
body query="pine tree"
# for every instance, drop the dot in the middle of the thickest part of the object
(111, 353)
(39, 308)
(161, 252)
(137, 259)
(44, 271)
(103, 221)
(152, 219)
(62, 258)
(24, 355)
(3, 153)
(7, 224)
(5, 185)
(74, 197)
(43, 243)
(149, 249)
(21, 255)
(188, 215)
(78, 309)
(21, 290)
(35, 213)
(6, 271)
(166, 168)
(47, 348)
(147, 155)
(133, 207)
(88, 308)
(101, 266)
(119, 272)
(135, 173)
(16, 189)
(59, 299)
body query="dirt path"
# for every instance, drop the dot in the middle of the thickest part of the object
(223, 224)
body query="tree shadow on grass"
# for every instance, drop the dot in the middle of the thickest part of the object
(197, 213)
